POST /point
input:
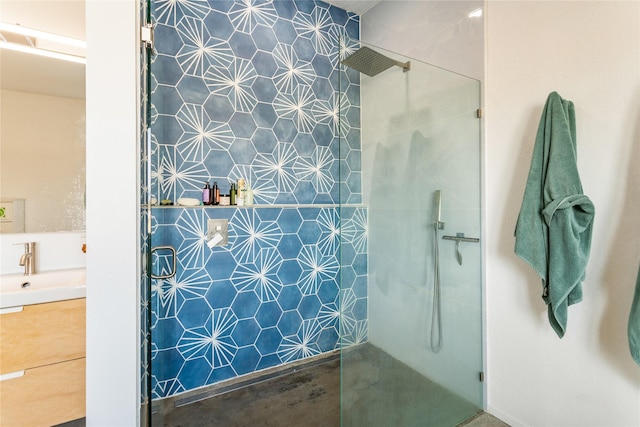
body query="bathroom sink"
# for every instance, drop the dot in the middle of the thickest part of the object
(49, 286)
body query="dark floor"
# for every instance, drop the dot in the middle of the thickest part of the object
(380, 391)
(309, 397)
(484, 420)
(82, 422)
(377, 391)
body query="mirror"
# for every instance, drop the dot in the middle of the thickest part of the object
(42, 123)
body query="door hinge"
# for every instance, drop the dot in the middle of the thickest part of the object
(481, 377)
(146, 35)
(479, 113)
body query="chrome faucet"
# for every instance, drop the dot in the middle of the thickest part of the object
(28, 259)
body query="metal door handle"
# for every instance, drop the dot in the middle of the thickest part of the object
(173, 267)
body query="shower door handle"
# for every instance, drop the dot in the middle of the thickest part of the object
(173, 263)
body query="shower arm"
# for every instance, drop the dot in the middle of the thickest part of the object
(406, 66)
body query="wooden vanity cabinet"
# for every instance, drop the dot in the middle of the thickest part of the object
(42, 363)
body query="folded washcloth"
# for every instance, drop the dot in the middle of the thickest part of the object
(634, 323)
(553, 232)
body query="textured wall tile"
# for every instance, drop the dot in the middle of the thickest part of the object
(248, 89)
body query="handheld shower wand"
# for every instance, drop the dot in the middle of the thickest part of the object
(438, 210)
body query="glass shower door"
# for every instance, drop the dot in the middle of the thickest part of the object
(416, 359)
(146, 54)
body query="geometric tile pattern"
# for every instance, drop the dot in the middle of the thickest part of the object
(250, 89)
(271, 296)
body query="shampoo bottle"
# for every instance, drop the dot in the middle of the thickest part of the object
(216, 194)
(232, 195)
(206, 194)
(241, 192)
(248, 196)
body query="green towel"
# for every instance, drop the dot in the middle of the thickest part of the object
(553, 232)
(634, 323)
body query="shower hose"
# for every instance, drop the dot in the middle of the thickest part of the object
(436, 318)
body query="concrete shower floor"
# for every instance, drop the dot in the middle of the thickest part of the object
(379, 391)
(308, 397)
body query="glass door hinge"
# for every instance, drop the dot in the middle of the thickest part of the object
(481, 377)
(479, 113)
(146, 35)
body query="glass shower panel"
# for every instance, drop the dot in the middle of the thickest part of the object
(145, 221)
(419, 134)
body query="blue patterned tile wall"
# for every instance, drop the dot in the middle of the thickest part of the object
(248, 89)
(269, 297)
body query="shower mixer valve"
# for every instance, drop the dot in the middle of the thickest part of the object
(459, 237)
(217, 232)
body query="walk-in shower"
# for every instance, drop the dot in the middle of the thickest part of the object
(335, 257)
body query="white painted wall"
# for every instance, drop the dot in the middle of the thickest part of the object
(113, 294)
(439, 32)
(590, 53)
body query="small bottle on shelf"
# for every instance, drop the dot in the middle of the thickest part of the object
(216, 194)
(232, 195)
(241, 192)
(206, 194)
(248, 196)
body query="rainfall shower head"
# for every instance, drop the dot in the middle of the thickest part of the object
(371, 63)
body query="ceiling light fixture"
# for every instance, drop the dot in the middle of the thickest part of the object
(28, 40)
